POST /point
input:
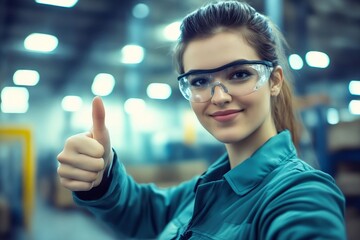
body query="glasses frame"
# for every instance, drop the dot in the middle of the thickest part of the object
(268, 64)
(237, 62)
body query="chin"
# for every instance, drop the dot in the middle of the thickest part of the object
(229, 138)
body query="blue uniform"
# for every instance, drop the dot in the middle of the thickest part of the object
(271, 195)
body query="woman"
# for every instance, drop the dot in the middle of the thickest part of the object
(232, 70)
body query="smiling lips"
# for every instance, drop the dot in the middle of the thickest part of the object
(225, 116)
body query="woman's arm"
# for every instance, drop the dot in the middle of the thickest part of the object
(135, 210)
(308, 206)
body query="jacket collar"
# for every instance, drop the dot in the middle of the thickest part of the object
(247, 175)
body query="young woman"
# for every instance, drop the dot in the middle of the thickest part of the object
(233, 73)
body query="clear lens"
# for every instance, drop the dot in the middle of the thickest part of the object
(237, 80)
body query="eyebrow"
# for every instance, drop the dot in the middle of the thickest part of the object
(236, 62)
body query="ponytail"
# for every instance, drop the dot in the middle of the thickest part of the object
(283, 106)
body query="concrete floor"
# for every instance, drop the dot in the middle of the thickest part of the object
(50, 223)
(70, 224)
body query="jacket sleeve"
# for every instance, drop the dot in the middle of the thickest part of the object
(136, 210)
(308, 206)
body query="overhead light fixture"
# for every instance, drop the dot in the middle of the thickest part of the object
(172, 31)
(14, 100)
(58, 3)
(103, 84)
(354, 87)
(296, 62)
(41, 42)
(317, 59)
(132, 54)
(158, 91)
(354, 107)
(26, 77)
(134, 106)
(71, 103)
(140, 10)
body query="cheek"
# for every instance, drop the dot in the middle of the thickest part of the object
(257, 103)
(199, 110)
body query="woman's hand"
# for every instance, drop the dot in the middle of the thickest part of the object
(86, 156)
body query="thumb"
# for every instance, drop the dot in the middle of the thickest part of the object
(99, 131)
(98, 117)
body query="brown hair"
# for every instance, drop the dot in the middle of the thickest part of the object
(260, 33)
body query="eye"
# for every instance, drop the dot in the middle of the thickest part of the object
(240, 75)
(199, 82)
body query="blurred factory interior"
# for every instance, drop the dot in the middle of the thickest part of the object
(55, 59)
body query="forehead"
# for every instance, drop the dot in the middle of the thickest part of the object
(217, 50)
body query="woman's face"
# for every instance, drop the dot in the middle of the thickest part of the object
(228, 118)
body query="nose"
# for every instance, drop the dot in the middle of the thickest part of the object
(220, 94)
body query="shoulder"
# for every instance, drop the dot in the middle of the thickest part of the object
(295, 182)
(300, 199)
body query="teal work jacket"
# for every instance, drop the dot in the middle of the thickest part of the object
(271, 195)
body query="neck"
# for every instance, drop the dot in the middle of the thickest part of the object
(240, 151)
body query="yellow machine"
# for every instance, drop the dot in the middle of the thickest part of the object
(23, 136)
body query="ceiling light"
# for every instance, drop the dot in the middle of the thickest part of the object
(26, 77)
(58, 3)
(354, 87)
(172, 31)
(158, 91)
(71, 103)
(140, 10)
(41, 42)
(296, 62)
(132, 54)
(134, 106)
(354, 107)
(14, 100)
(103, 84)
(317, 59)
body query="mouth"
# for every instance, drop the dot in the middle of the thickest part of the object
(225, 116)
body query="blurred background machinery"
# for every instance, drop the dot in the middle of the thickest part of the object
(55, 56)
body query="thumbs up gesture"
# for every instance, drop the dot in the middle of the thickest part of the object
(85, 156)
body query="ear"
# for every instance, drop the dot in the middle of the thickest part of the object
(276, 81)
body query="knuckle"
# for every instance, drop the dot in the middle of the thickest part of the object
(64, 157)
(64, 182)
(70, 140)
(60, 157)
(59, 171)
(100, 165)
(62, 172)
